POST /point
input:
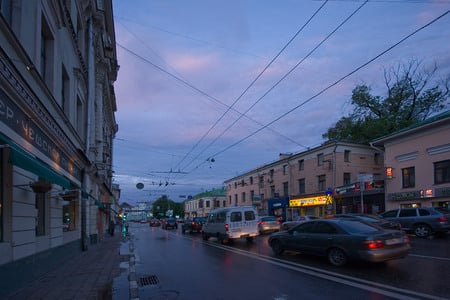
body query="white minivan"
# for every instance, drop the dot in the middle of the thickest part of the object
(229, 223)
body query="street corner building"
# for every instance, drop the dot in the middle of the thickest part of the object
(57, 124)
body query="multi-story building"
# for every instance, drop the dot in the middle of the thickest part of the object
(200, 205)
(57, 123)
(319, 181)
(417, 162)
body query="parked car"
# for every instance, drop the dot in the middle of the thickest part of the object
(170, 223)
(374, 219)
(423, 221)
(268, 224)
(298, 220)
(341, 240)
(154, 223)
(230, 223)
(194, 225)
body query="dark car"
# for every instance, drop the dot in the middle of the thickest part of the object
(194, 225)
(170, 223)
(387, 224)
(154, 223)
(341, 240)
(298, 220)
(422, 221)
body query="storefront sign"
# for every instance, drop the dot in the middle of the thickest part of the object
(319, 200)
(17, 120)
(404, 196)
(389, 172)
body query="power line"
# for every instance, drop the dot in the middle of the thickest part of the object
(246, 90)
(330, 85)
(289, 72)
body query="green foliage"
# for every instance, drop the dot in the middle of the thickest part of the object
(411, 97)
(163, 204)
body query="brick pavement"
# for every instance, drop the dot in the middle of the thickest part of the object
(87, 275)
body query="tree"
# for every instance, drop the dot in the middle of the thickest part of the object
(411, 97)
(163, 205)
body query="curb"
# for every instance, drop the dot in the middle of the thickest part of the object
(134, 295)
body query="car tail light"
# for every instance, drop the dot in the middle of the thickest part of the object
(442, 219)
(262, 223)
(374, 244)
(227, 227)
(192, 223)
(278, 222)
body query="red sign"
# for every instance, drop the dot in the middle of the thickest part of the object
(389, 172)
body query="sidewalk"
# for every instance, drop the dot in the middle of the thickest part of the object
(88, 275)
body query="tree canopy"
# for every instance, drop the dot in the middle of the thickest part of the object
(163, 206)
(413, 94)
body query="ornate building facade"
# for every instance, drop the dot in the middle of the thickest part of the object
(58, 64)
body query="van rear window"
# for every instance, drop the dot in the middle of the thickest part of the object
(249, 215)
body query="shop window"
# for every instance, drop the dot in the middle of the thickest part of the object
(408, 177)
(442, 172)
(69, 216)
(40, 214)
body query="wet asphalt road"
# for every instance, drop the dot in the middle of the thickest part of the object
(170, 265)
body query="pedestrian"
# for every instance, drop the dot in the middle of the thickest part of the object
(111, 228)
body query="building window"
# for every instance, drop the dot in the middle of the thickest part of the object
(243, 197)
(225, 203)
(272, 191)
(47, 53)
(235, 185)
(301, 164)
(320, 159)
(301, 186)
(229, 199)
(80, 118)
(251, 179)
(261, 181)
(347, 155)
(65, 91)
(207, 203)
(376, 159)
(235, 199)
(442, 172)
(408, 177)
(285, 169)
(321, 182)
(6, 10)
(40, 214)
(347, 178)
(252, 195)
(285, 189)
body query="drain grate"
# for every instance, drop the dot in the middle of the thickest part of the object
(148, 280)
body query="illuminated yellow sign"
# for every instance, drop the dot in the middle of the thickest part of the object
(319, 200)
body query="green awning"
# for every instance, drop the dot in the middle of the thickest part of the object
(22, 159)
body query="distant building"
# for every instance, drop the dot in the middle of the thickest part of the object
(200, 205)
(417, 164)
(319, 181)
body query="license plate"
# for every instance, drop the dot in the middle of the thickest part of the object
(394, 241)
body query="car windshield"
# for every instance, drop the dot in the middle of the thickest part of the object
(356, 227)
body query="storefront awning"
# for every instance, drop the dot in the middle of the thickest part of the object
(22, 159)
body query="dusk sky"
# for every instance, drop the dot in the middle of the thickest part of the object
(208, 90)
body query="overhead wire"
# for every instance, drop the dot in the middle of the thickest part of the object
(288, 73)
(247, 88)
(329, 86)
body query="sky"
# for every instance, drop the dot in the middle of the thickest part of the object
(208, 90)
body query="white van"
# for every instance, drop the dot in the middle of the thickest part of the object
(229, 223)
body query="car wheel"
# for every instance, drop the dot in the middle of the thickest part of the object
(277, 247)
(422, 230)
(337, 257)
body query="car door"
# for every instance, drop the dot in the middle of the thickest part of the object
(407, 217)
(321, 237)
(297, 238)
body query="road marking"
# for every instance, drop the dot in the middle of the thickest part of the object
(383, 289)
(430, 257)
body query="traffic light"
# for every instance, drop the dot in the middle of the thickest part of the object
(124, 217)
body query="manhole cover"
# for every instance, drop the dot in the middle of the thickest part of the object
(148, 280)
